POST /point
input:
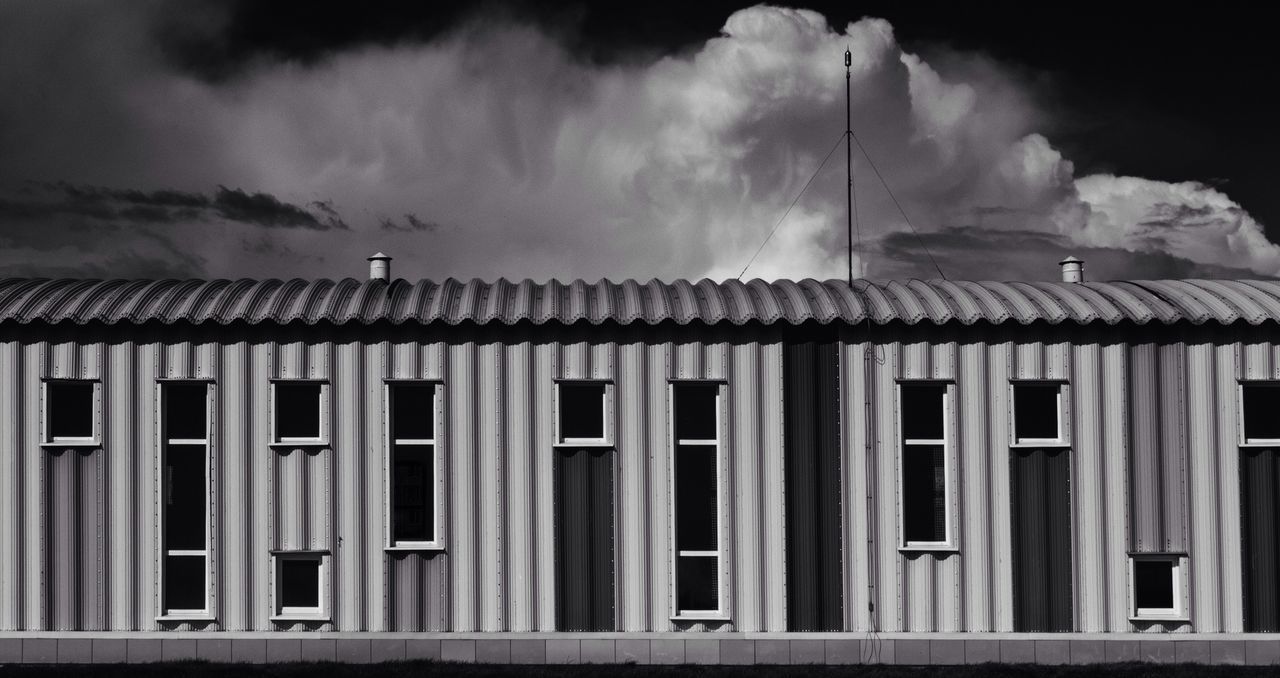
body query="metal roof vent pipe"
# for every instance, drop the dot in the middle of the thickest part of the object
(1072, 270)
(380, 267)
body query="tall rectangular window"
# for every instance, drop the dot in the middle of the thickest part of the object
(184, 432)
(412, 432)
(71, 412)
(300, 412)
(696, 408)
(925, 507)
(1259, 436)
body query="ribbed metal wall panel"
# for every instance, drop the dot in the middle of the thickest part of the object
(77, 545)
(1096, 412)
(496, 432)
(1259, 479)
(1042, 548)
(1157, 467)
(585, 546)
(418, 592)
(811, 447)
(300, 490)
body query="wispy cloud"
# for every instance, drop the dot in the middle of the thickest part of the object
(124, 206)
(410, 223)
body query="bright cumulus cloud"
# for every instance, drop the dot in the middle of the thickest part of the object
(493, 152)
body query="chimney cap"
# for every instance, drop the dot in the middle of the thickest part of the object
(380, 267)
(1072, 270)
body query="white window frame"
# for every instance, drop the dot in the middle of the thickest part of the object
(48, 440)
(318, 613)
(1178, 612)
(949, 542)
(1058, 441)
(323, 439)
(721, 613)
(437, 400)
(1240, 388)
(606, 409)
(204, 613)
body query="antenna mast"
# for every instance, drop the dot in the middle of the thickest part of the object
(848, 160)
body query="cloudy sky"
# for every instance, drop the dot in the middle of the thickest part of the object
(503, 139)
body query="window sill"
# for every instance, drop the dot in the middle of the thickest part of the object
(297, 444)
(415, 548)
(1147, 619)
(929, 548)
(195, 617)
(62, 444)
(700, 616)
(318, 618)
(590, 444)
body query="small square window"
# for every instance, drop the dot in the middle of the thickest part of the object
(695, 409)
(1156, 582)
(69, 411)
(582, 411)
(186, 411)
(922, 411)
(298, 407)
(412, 411)
(1036, 412)
(1261, 415)
(299, 584)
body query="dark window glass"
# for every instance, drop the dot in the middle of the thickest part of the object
(412, 412)
(184, 488)
(70, 409)
(185, 409)
(1035, 411)
(582, 410)
(298, 410)
(1261, 412)
(413, 493)
(184, 586)
(696, 498)
(299, 582)
(922, 411)
(698, 583)
(695, 408)
(924, 493)
(1153, 584)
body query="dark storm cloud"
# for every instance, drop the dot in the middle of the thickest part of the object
(267, 210)
(1166, 214)
(982, 254)
(39, 201)
(411, 223)
(129, 264)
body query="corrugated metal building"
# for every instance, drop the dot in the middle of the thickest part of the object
(373, 456)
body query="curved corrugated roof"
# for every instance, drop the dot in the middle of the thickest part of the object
(26, 300)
